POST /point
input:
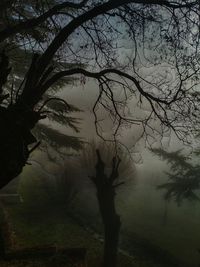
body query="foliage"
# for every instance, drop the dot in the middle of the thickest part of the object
(175, 158)
(47, 191)
(20, 57)
(184, 180)
(62, 190)
(56, 139)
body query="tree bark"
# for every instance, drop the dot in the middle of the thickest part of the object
(15, 138)
(111, 221)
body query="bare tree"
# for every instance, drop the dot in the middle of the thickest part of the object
(160, 72)
(113, 168)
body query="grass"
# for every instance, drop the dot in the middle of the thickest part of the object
(35, 228)
(39, 221)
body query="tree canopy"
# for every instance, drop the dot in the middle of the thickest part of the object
(134, 49)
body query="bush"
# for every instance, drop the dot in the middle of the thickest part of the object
(42, 191)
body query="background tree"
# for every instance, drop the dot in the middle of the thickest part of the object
(184, 180)
(161, 72)
(113, 168)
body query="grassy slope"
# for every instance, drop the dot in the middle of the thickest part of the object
(36, 229)
(34, 225)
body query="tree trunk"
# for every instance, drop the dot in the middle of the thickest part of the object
(111, 242)
(111, 221)
(106, 187)
(15, 137)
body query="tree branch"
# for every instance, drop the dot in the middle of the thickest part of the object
(94, 12)
(31, 23)
(98, 75)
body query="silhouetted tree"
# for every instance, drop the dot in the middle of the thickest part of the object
(55, 109)
(106, 198)
(184, 180)
(161, 73)
(113, 168)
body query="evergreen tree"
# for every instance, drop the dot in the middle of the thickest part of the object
(184, 178)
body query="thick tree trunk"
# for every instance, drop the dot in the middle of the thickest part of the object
(111, 221)
(111, 242)
(106, 187)
(15, 137)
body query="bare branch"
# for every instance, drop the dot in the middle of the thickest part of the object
(100, 74)
(89, 15)
(31, 23)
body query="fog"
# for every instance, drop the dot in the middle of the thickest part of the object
(148, 221)
(131, 192)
